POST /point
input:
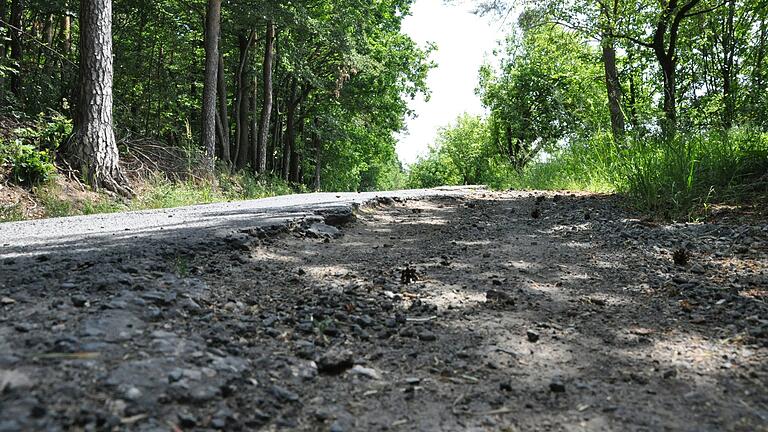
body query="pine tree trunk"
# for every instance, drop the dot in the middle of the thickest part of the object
(95, 148)
(212, 27)
(266, 110)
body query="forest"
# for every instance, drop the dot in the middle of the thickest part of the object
(177, 102)
(302, 93)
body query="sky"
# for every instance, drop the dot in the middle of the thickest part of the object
(463, 41)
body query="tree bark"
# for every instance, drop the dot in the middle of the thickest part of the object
(254, 151)
(17, 12)
(222, 115)
(95, 148)
(290, 133)
(318, 145)
(613, 86)
(212, 28)
(260, 164)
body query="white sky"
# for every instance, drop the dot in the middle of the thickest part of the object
(463, 41)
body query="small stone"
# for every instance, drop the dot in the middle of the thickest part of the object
(366, 372)
(427, 336)
(283, 394)
(78, 300)
(5, 301)
(533, 336)
(187, 420)
(11, 380)
(698, 269)
(132, 393)
(557, 386)
(335, 361)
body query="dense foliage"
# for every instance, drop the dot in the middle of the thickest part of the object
(664, 101)
(341, 74)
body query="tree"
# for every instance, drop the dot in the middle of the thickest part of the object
(212, 28)
(17, 13)
(95, 148)
(260, 164)
(544, 93)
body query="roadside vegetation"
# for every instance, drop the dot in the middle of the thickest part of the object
(576, 100)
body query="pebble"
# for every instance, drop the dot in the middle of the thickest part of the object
(5, 301)
(366, 372)
(335, 361)
(283, 394)
(532, 335)
(557, 386)
(78, 300)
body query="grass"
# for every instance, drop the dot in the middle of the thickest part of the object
(11, 213)
(161, 193)
(154, 193)
(675, 178)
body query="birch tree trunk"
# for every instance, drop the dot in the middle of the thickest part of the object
(95, 147)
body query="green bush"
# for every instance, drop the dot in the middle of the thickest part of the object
(30, 155)
(28, 165)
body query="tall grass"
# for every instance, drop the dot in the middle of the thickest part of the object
(674, 178)
(679, 177)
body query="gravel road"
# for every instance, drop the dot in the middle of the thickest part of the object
(439, 310)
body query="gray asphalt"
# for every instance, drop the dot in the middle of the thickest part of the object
(179, 225)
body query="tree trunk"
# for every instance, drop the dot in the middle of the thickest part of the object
(17, 12)
(668, 69)
(222, 115)
(277, 137)
(96, 149)
(613, 85)
(290, 133)
(212, 27)
(65, 86)
(260, 164)
(729, 49)
(295, 175)
(66, 34)
(318, 145)
(240, 112)
(254, 151)
(3, 12)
